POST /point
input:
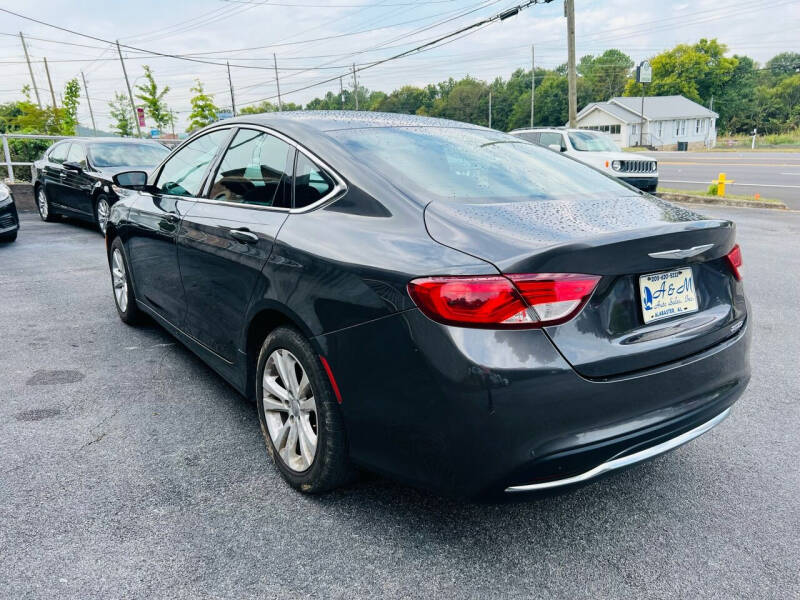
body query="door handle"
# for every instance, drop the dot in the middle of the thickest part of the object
(244, 235)
(172, 217)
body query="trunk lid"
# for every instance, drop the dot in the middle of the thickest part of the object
(616, 239)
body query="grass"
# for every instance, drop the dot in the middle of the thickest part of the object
(705, 194)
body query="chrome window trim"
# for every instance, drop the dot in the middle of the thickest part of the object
(630, 459)
(339, 188)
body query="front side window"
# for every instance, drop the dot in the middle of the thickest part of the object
(77, 154)
(184, 172)
(548, 137)
(58, 154)
(254, 171)
(311, 183)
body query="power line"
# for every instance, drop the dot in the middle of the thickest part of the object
(126, 46)
(428, 45)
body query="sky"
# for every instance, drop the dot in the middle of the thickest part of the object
(315, 40)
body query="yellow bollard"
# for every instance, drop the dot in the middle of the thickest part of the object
(721, 185)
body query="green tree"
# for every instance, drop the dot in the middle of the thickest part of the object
(467, 101)
(153, 99)
(69, 116)
(119, 109)
(604, 76)
(783, 64)
(204, 111)
(696, 72)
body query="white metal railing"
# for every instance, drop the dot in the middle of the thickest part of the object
(9, 164)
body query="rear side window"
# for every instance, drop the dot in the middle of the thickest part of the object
(311, 183)
(254, 170)
(548, 137)
(184, 172)
(58, 153)
(77, 154)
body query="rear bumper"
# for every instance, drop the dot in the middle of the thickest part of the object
(467, 412)
(648, 184)
(626, 460)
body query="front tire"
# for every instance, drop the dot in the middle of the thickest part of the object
(8, 237)
(43, 205)
(124, 298)
(300, 419)
(102, 209)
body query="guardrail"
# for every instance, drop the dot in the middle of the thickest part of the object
(9, 164)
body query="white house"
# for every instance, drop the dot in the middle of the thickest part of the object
(667, 121)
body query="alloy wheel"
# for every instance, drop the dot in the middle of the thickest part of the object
(42, 202)
(119, 280)
(103, 211)
(290, 410)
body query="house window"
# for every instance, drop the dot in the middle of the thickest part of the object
(677, 128)
(697, 125)
(660, 125)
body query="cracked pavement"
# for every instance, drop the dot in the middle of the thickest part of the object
(128, 469)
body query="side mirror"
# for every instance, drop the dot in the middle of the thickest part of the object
(72, 166)
(132, 180)
(555, 147)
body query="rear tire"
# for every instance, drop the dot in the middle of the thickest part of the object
(43, 205)
(300, 419)
(121, 285)
(102, 209)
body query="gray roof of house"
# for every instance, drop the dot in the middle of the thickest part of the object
(664, 107)
(656, 108)
(615, 110)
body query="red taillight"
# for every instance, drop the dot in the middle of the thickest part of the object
(499, 302)
(735, 261)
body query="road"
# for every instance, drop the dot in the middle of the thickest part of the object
(771, 174)
(129, 470)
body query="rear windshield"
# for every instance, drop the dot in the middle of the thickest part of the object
(126, 154)
(458, 163)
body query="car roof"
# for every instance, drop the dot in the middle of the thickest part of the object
(306, 127)
(109, 139)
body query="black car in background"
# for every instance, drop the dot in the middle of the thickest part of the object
(443, 303)
(73, 178)
(9, 221)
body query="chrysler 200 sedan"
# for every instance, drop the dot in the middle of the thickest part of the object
(442, 303)
(73, 177)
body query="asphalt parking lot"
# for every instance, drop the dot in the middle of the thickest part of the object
(771, 174)
(129, 470)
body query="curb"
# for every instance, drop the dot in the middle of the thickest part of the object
(689, 199)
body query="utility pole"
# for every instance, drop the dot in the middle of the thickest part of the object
(230, 83)
(490, 108)
(30, 70)
(52, 93)
(341, 93)
(88, 100)
(277, 82)
(355, 85)
(533, 80)
(130, 94)
(569, 11)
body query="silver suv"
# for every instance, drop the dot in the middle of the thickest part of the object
(597, 150)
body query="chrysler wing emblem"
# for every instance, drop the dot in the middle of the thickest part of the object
(682, 253)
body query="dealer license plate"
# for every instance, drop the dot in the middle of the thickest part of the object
(667, 294)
